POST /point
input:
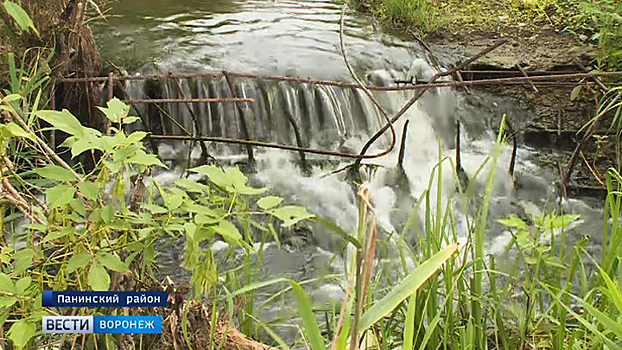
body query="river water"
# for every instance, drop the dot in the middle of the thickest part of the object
(301, 39)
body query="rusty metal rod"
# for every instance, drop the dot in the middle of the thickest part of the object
(596, 80)
(258, 144)
(400, 157)
(276, 77)
(247, 135)
(195, 123)
(513, 159)
(192, 100)
(494, 81)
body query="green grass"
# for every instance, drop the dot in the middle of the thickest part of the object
(460, 298)
(598, 21)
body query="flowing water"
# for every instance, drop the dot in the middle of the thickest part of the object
(301, 39)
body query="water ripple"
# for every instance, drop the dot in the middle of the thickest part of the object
(272, 37)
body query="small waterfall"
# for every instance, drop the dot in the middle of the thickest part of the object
(322, 116)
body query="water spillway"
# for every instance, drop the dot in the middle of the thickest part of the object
(301, 39)
(324, 116)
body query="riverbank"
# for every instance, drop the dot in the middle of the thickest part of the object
(548, 36)
(594, 26)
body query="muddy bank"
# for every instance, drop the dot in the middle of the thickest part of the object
(558, 114)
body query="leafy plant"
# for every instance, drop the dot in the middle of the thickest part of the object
(93, 226)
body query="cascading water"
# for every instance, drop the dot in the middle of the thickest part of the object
(300, 38)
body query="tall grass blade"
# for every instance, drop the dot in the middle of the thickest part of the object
(282, 344)
(407, 287)
(589, 325)
(409, 324)
(309, 322)
(257, 285)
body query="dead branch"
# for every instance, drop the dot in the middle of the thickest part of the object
(41, 143)
(423, 89)
(586, 136)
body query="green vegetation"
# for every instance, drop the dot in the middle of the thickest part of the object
(597, 23)
(96, 228)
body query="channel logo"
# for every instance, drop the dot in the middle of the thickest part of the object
(102, 324)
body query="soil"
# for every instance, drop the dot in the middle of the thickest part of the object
(557, 116)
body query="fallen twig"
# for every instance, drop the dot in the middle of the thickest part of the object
(40, 142)
(586, 136)
(524, 73)
(414, 99)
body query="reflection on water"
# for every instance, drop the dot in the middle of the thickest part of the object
(282, 37)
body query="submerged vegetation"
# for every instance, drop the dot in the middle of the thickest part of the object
(100, 229)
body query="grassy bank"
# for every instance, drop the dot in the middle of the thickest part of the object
(596, 23)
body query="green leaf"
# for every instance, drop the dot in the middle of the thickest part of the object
(7, 301)
(149, 253)
(269, 202)
(11, 98)
(587, 324)
(291, 214)
(23, 260)
(408, 286)
(83, 144)
(256, 285)
(513, 221)
(560, 221)
(143, 158)
(99, 279)
(17, 131)
(236, 177)
(20, 16)
(6, 284)
(59, 196)
(175, 200)
(192, 186)
(116, 111)
(22, 285)
(215, 175)
(130, 258)
(309, 322)
(155, 209)
(130, 120)
(65, 121)
(228, 231)
(612, 291)
(36, 227)
(55, 172)
(107, 213)
(78, 206)
(21, 332)
(112, 262)
(89, 190)
(576, 91)
(53, 235)
(78, 261)
(124, 153)
(135, 137)
(250, 191)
